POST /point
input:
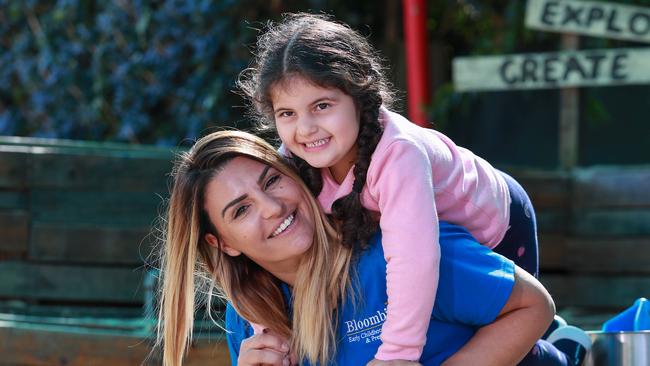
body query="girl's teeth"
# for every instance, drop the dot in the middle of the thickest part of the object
(316, 143)
(283, 226)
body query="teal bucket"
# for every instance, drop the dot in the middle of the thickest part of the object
(635, 318)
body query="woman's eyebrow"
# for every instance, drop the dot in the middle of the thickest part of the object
(242, 197)
(263, 174)
(232, 203)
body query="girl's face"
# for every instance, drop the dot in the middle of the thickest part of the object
(260, 213)
(320, 125)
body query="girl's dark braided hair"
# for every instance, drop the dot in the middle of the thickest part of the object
(328, 54)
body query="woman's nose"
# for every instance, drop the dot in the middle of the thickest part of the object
(271, 206)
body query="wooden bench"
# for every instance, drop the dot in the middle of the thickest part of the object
(75, 233)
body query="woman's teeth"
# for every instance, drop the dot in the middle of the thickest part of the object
(317, 143)
(285, 224)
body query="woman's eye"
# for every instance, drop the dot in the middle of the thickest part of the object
(272, 180)
(285, 114)
(240, 211)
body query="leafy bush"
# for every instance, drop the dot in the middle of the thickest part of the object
(137, 71)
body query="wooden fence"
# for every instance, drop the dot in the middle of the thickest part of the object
(76, 227)
(594, 229)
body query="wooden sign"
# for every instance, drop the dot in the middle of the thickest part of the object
(606, 67)
(590, 18)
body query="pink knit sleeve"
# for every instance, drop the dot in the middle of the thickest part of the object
(400, 179)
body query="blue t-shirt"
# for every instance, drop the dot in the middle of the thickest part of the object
(474, 285)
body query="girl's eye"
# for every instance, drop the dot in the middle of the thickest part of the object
(240, 211)
(272, 180)
(321, 106)
(285, 114)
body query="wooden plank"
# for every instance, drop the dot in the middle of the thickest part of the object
(13, 200)
(95, 207)
(75, 243)
(14, 231)
(546, 189)
(553, 252)
(14, 163)
(599, 19)
(553, 221)
(604, 67)
(68, 310)
(569, 115)
(630, 222)
(38, 346)
(609, 255)
(613, 187)
(591, 291)
(97, 172)
(23, 280)
(41, 145)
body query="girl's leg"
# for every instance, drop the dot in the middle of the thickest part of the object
(520, 245)
(520, 241)
(545, 354)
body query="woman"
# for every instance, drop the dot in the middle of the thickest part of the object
(241, 222)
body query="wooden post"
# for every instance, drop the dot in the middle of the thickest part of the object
(569, 115)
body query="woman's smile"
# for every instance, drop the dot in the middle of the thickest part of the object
(285, 224)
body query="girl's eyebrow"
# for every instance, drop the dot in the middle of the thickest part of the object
(318, 100)
(327, 97)
(243, 196)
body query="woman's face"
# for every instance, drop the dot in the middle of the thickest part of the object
(259, 212)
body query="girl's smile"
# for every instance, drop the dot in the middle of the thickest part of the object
(318, 124)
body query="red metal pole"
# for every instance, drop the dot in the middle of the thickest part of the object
(417, 70)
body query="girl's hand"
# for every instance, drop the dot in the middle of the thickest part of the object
(376, 362)
(264, 349)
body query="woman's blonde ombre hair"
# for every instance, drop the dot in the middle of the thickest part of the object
(191, 267)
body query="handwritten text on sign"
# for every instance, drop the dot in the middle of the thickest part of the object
(590, 18)
(552, 70)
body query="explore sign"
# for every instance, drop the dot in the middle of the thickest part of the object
(552, 70)
(590, 18)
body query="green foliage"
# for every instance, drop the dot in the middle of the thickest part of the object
(471, 27)
(138, 71)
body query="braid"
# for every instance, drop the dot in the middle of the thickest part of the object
(357, 223)
(309, 174)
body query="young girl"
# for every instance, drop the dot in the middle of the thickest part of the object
(321, 85)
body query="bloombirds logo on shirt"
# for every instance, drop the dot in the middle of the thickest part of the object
(366, 329)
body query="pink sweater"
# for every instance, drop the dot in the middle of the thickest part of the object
(416, 177)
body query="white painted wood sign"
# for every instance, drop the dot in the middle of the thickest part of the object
(592, 18)
(606, 67)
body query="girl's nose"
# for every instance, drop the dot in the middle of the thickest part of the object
(306, 126)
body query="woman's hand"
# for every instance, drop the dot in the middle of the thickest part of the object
(264, 349)
(376, 362)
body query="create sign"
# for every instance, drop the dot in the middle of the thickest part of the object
(590, 18)
(606, 67)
